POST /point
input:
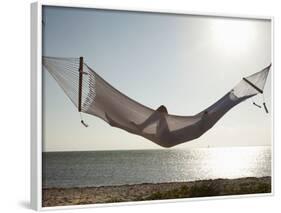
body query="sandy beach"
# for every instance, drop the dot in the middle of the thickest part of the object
(154, 191)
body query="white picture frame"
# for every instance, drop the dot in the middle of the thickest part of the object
(36, 102)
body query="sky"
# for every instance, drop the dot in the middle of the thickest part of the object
(184, 62)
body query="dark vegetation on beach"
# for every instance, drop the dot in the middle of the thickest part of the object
(218, 187)
(158, 191)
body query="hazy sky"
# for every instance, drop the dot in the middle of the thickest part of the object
(184, 62)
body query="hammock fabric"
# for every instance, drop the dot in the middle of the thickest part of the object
(93, 95)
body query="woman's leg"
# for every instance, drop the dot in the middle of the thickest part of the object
(155, 116)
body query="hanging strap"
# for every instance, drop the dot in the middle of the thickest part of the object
(265, 108)
(264, 105)
(259, 106)
(82, 121)
(85, 125)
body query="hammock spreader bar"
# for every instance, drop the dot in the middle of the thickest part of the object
(249, 82)
(80, 83)
(81, 63)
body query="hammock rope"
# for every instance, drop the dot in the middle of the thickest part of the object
(91, 94)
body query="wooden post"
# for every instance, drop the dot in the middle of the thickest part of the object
(80, 83)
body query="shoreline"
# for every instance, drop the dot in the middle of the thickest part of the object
(154, 191)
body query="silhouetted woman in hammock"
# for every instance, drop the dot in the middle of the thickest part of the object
(157, 115)
(162, 134)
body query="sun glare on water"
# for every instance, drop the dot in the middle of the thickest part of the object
(224, 162)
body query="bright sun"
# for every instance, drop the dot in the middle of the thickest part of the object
(233, 35)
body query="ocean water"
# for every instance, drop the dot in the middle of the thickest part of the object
(104, 168)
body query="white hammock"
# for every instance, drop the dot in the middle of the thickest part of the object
(93, 95)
